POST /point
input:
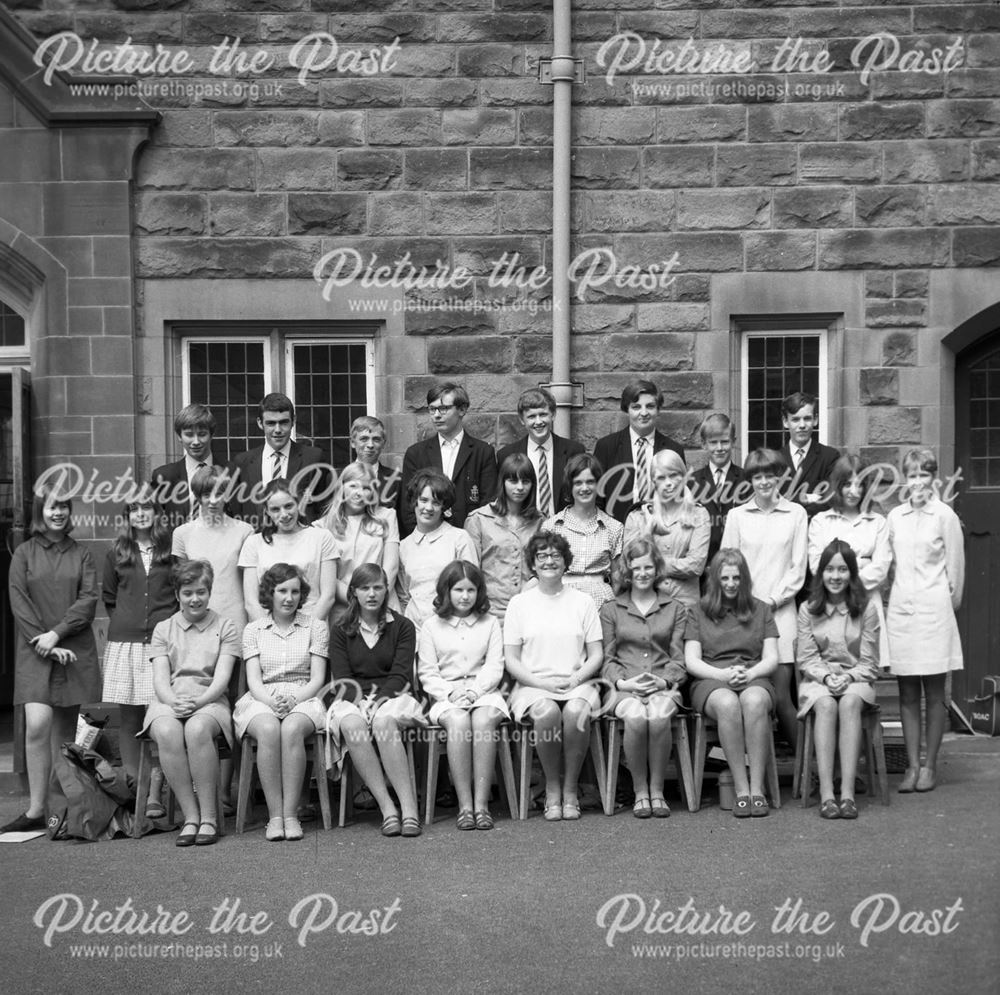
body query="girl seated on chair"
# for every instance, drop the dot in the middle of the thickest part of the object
(644, 664)
(193, 653)
(372, 669)
(285, 653)
(730, 651)
(552, 645)
(838, 663)
(460, 667)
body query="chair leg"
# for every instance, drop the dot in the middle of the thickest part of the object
(797, 769)
(682, 757)
(322, 783)
(700, 749)
(506, 762)
(614, 757)
(346, 790)
(805, 777)
(600, 764)
(873, 733)
(524, 755)
(773, 786)
(433, 755)
(248, 761)
(142, 784)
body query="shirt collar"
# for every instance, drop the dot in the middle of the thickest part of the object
(191, 466)
(454, 621)
(805, 449)
(284, 450)
(635, 437)
(451, 443)
(421, 537)
(533, 446)
(300, 621)
(201, 626)
(48, 543)
(713, 470)
(830, 608)
(783, 505)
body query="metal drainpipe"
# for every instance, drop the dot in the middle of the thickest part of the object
(563, 73)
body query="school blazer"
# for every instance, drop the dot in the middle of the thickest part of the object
(718, 504)
(246, 472)
(615, 450)
(475, 478)
(173, 494)
(562, 451)
(816, 469)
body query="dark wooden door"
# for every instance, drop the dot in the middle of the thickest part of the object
(977, 452)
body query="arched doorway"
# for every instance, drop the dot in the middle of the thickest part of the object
(977, 454)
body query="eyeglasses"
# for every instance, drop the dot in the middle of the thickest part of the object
(440, 409)
(548, 557)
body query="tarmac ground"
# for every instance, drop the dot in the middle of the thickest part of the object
(904, 900)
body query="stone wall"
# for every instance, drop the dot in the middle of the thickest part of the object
(447, 156)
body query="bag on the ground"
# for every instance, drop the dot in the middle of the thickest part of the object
(984, 710)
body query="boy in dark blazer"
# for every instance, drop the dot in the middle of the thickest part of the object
(194, 427)
(368, 441)
(280, 456)
(470, 463)
(811, 463)
(537, 410)
(620, 491)
(716, 486)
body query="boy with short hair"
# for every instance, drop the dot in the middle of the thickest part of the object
(811, 462)
(194, 426)
(716, 486)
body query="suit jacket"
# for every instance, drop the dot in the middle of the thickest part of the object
(475, 477)
(615, 451)
(815, 470)
(246, 471)
(173, 494)
(562, 451)
(718, 503)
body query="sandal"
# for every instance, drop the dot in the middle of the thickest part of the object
(642, 808)
(829, 809)
(293, 829)
(758, 806)
(207, 839)
(661, 810)
(848, 808)
(275, 830)
(155, 809)
(411, 826)
(466, 820)
(484, 820)
(187, 839)
(553, 812)
(391, 826)
(570, 811)
(741, 807)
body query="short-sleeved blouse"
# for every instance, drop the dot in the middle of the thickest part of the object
(730, 641)
(194, 649)
(501, 554)
(220, 545)
(285, 656)
(359, 545)
(595, 544)
(422, 557)
(308, 549)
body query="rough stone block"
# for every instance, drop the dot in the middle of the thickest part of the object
(986, 160)
(976, 246)
(964, 204)
(480, 256)
(409, 126)
(831, 162)
(476, 61)
(899, 349)
(673, 166)
(974, 83)
(697, 251)
(878, 285)
(494, 28)
(229, 258)
(297, 169)
(963, 118)
(654, 350)
(882, 249)
(440, 93)
(185, 128)
(983, 49)
(714, 123)
(914, 283)
(755, 165)
(643, 210)
(715, 209)
(614, 126)
(879, 386)
(202, 169)
(792, 122)
(889, 207)
(327, 213)
(480, 354)
(395, 214)
(246, 214)
(381, 28)
(358, 93)
(601, 319)
(525, 211)
(909, 313)
(436, 169)
(483, 126)
(604, 168)
(290, 27)
(460, 213)
(432, 322)
(894, 425)
(511, 168)
(262, 128)
(813, 207)
(926, 162)
(877, 121)
(369, 170)
(535, 126)
(780, 250)
(212, 28)
(342, 128)
(424, 61)
(517, 93)
(170, 213)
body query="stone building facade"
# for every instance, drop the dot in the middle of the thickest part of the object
(177, 239)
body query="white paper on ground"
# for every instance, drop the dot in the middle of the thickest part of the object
(32, 834)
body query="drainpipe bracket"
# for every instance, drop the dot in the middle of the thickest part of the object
(561, 69)
(567, 395)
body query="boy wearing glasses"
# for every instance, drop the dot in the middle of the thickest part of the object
(468, 462)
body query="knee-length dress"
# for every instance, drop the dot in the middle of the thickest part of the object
(928, 548)
(53, 587)
(595, 543)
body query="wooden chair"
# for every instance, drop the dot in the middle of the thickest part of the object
(437, 744)
(315, 747)
(872, 753)
(681, 747)
(705, 729)
(525, 735)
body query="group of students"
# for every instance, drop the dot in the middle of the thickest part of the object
(362, 605)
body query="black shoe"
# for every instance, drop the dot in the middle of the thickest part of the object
(24, 824)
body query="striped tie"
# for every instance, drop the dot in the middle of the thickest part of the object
(642, 473)
(544, 487)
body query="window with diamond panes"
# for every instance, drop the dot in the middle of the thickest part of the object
(774, 367)
(329, 383)
(984, 422)
(231, 378)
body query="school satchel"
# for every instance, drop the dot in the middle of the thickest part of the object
(984, 710)
(88, 798)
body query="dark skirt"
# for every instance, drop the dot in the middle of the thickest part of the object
(700, 690)
(42, 681)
